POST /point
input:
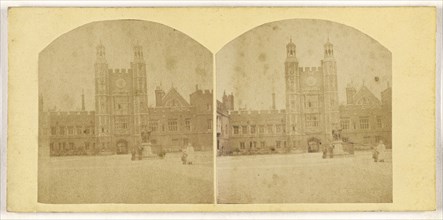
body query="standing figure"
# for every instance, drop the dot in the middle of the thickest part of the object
(190, 152)
(184, 157)
(380, 148)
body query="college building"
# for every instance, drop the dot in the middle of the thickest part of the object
(311, 113)
(122, 114)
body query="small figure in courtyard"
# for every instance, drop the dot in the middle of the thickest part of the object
(331, 150)
(190, 153)
(379, 152)
(184, 156)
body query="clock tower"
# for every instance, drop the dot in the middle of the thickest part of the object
(331, 109)
(293, 95)
(102, 100)
(140, 96)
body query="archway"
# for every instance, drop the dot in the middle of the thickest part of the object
(122, 146)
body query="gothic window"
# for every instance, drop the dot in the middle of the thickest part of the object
(278, 128)
(311, 101)
(379, 123)
(312, 120)
(209, 124)
(62, 130)
(53, 131)
(70, 130)
(242, 145)
(345, 123)
(261, 129)
(270, 130)
(188, 124)
(121, 123)
(244, 129)
(236, 129)
(364, 123)
(253, 129)
(79, 130)
(172, 125)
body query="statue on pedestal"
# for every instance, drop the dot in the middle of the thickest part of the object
(146, 143)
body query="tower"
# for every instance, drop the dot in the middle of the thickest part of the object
(159, 94)
(350, 92)
(102, 100)
(331, 111)
(293, 95)
(140, 99)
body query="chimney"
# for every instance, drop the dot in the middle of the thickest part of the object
(159, 93)
(273, 100)
(350, 92)
(83, 100)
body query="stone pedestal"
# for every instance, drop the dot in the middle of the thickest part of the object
(147, 150)
(338, 147)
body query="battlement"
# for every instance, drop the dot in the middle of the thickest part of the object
(119, 71)
(73, 113)
(310, 69)
(154, 110)
(257, 112)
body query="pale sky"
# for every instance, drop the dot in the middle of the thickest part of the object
(252, 65)
(66, 66)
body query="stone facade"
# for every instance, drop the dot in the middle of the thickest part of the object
(365, 120)
(122, 114)
(311, 113)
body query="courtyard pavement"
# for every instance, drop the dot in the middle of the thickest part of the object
(117, 179)
(304, 178)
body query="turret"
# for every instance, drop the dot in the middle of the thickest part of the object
(159, 94)
(228, 101)
(291, 55)
(350, 92)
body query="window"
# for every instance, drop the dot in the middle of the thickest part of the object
(262, 144)
(311, 120)
(87, 131)
(311, 101)
(278, 144)
(364, 123)
(278, 128)
(70, 130)
(261, 129)
(235, 129)
(62, 130)
(79, 130)
(379, 123)
(53, 131)
(153, 125)
(121, 123)
(172, 125)
(270, 130)
(252, 129)
(244, 129)
(344, 124)
(209, 124)
(188, 124)
(242, 145)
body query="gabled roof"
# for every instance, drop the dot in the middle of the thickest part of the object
(174, 99)
(365, 97)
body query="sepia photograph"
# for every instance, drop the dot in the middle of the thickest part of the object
(125, 116)
(304, 115)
